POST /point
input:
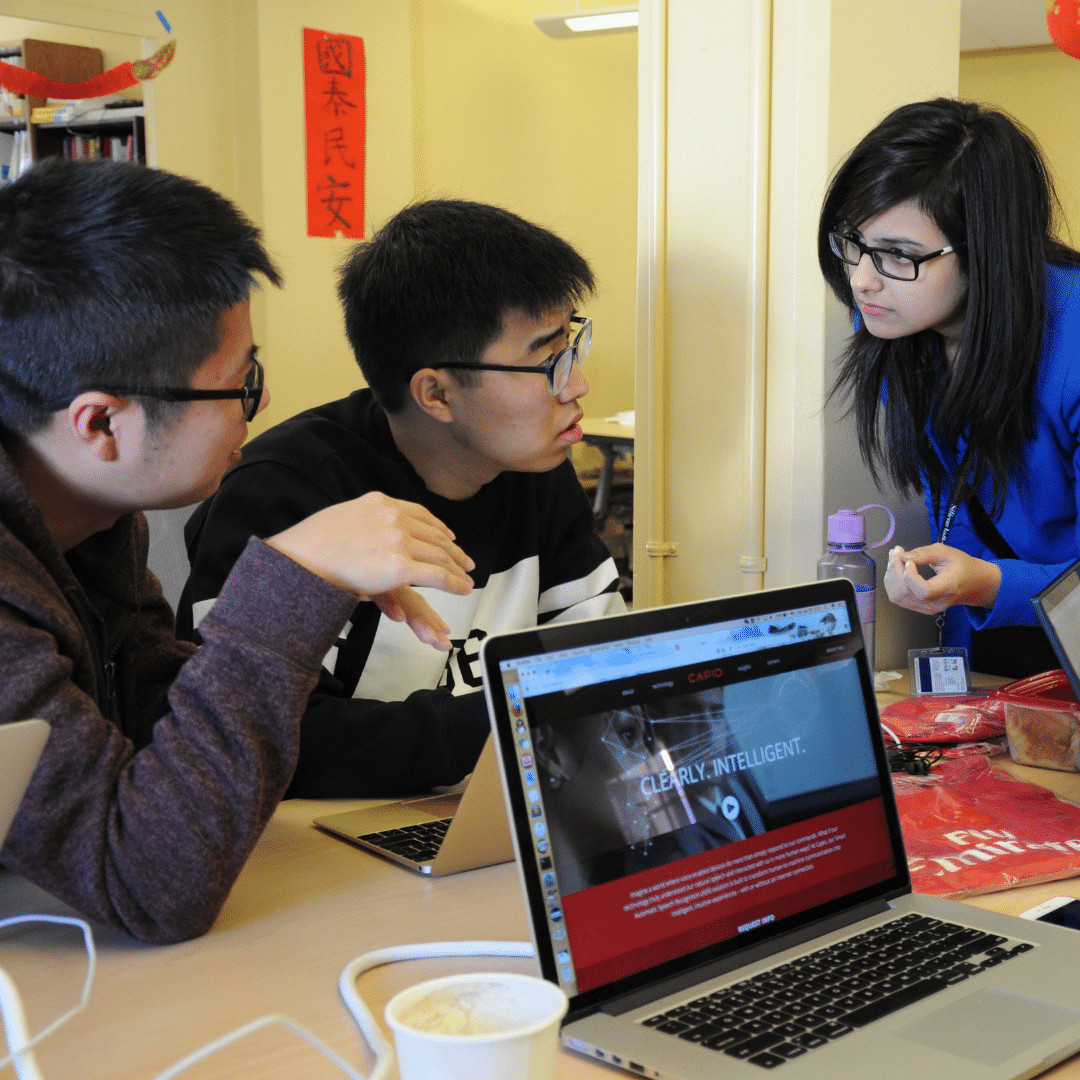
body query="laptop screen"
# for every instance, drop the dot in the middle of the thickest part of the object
(691, 785)
(1058, 608)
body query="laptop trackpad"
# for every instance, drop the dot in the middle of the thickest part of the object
(991, 1026)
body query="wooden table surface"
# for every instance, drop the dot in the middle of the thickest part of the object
(304, 906)
(610, 430)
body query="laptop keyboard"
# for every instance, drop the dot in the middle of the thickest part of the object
(781, 1014)
(417, 843)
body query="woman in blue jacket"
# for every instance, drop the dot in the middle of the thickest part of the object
(964, 369)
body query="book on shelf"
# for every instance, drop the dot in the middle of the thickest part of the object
(14, 155)
(91, 110)
(58, 114)
(114, 148)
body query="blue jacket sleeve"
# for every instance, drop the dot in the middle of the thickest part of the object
(1041, 517)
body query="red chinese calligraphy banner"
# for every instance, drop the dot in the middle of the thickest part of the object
(336, 117)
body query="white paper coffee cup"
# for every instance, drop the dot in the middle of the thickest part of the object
(469, 1027)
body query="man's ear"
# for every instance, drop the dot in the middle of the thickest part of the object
(92, 418)
(433, 390)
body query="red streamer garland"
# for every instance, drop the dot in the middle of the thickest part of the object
(20, 80)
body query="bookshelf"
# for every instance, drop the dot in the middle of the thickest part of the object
(118, 133)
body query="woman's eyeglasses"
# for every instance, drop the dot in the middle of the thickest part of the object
(889, 262)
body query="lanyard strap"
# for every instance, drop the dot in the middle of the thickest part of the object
(954, 494)
(950, 512)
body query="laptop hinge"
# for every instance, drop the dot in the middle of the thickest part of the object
(715, 968)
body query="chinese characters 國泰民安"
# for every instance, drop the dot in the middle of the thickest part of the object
(336, 62)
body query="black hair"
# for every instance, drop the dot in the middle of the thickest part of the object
(981, 178)
(433, 284)
(113, 274)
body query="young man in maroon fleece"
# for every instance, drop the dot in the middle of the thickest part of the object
(128, 377)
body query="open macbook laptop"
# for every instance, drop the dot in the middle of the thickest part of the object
(439, 834)
(21, 744)
(712, 862)
(1058, 609)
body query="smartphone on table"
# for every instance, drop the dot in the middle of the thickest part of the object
(1061, 911)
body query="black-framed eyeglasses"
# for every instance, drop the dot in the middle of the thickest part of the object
(557, 367)
(250, 393)
(890, 262)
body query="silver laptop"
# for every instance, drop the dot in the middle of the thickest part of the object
(711, 857)
(21, 744)
(1058, 609)
(440, 834)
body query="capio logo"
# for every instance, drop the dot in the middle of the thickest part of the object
(702, 676)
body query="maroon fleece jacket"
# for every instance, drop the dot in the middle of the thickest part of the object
(164, 763)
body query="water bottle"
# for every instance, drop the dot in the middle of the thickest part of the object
(846, 557)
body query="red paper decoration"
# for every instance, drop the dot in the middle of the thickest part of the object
(1063, 22)
(335, 109)
(22, 81)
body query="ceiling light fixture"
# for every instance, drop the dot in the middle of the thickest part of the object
(596, 21)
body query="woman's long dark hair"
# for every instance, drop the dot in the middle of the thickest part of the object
(981, 178)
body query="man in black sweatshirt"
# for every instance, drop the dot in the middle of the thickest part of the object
(463, 320)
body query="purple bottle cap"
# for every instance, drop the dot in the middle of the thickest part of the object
(846, 527)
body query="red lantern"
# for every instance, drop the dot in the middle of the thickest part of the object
(1063, 22)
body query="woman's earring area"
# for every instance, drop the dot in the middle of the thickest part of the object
(556, 777)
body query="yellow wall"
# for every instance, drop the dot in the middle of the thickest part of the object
(467, 100)
(464, 101)
(308, 357)
(194, 124)
(1040, 88)
(862, 87)
(548, 129)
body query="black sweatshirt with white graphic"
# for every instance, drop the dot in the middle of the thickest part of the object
(391, 714)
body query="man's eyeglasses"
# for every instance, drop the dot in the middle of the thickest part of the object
(557, 367)
(250, 393)
(889, 262)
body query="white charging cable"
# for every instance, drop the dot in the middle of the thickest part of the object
(20, 1044)
(249, 1029)
(369, 1028)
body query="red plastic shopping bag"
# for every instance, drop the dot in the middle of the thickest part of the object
(945, 719)
(971, 828)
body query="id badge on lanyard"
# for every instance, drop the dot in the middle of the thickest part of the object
(946, 669)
